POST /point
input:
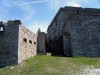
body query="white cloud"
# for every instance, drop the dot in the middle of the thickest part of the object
(43, 25)
(56, 4)
(73, 3)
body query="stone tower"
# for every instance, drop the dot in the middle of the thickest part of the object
(41, 42)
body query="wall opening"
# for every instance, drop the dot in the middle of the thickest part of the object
(34, 43)
(30, 41)
(67, 45)
(24, 39)
(1, 29)
(60, 45)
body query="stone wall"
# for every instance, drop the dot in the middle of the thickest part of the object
(16, 43)
(9, 47)
(85, 36)
(27, 44)
(54, 32)
(41, 43)
(56, 27)
(74, 31)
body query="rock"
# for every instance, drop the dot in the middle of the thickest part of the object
(11, 68)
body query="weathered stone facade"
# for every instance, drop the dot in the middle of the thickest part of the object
(41, 43)
(75, 31)
(27, 44)
(16, 43)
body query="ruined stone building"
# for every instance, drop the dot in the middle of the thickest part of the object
(75, 31)
(16, 43)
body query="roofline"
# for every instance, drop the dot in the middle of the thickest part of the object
(60, 10)
(92, 10)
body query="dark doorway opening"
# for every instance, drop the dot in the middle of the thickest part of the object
(60, 46)
(67, 45)
(57, 46)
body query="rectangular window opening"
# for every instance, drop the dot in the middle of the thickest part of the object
(1, 29)
(34, 43)
(24, 39)
(30, 41)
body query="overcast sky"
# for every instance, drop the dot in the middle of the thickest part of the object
(36, 14)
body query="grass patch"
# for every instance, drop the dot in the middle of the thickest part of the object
(50, 65)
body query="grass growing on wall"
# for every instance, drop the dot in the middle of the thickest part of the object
(50, 65)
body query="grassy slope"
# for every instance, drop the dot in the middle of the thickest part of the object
(46, 65)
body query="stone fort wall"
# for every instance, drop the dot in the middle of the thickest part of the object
(9, 44)
(16, 43)
(74, 31)
(27, 44)
(85, 36)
